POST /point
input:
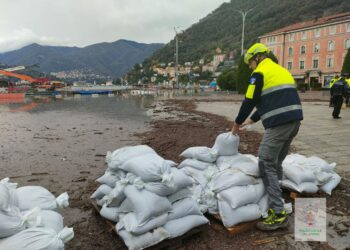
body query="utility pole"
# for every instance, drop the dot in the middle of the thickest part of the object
(176, 58)
(243, 13)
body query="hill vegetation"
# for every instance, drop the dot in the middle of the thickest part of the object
(222, 28)
(108, 59)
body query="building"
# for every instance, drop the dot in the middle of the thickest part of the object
(313, 51)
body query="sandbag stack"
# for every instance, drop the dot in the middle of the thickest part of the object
(28, 219)
(309, 174)
(227, 182)
(147, 196)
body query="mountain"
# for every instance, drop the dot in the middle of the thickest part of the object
(223, 27)
(108, 59)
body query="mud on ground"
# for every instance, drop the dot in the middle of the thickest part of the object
(176, 126)
(180, 126)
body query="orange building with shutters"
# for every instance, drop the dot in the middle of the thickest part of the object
(313, 51)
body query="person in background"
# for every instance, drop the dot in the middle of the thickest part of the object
(338, 91)
(348, 91)
(273, 92)
(333, 80)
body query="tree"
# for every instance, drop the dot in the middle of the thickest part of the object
(228, 80)
(346, 64)
(243, 75)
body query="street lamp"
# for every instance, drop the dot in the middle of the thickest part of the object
(243, 13)
(176, 58)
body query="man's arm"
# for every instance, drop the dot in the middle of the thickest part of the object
(251, 99)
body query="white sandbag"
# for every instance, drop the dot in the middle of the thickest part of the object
(197, 175)
(242, 195)
(116, 196)
(316, 162)
(145, 204)
(38, 238)
(143, 241)
(294, 159)
(51, 219)
(184, 207)
(330, 185)
(4, 198)
(110, 213)
(11, 186)
(171, 164)
(119, 156)
(193, 163)
(298, 174)
(323, 177)
(209, 199)
(231, 217)
(11, 222)
(264, 205)
(130, 224)
(14, 221)
(201, 153)
(181, 226)
(240, 162)
(101, 191)
(36, 196)
(149, 167)
(110, 178)
(226, 144)
(125, 207)
(197, 195)
(179, 195)
(229, 178)
(305, 187)
(180, 181)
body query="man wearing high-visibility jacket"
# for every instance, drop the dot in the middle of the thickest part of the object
(333, 80)
(348, 92)
(273, 92)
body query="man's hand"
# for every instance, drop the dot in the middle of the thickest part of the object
(235, 128)
(248, 121)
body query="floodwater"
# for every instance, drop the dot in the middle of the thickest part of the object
(60, 144)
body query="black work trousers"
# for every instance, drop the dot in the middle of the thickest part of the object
(337, 102)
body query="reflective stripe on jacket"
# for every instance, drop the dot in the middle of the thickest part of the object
(279, 102)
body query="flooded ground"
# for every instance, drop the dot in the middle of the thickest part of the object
(60, 145)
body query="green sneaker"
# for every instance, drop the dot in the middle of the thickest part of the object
(273, 221)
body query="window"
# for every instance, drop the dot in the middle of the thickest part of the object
(332, 30)
(330, 62)
(317, 32)
(302, 49)
(331, 46)
(301, 65)
(303, 35)
(290, 65)
(291, 37)
(347, 44)
(348, 27)
(271, 40)
(290, 51)
(315, 63)
(317, 48)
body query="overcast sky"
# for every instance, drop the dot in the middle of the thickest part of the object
(84, 22)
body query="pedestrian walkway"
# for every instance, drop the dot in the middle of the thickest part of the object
(319, 135)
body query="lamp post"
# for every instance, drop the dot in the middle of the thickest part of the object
(176, 58)
(243, 13)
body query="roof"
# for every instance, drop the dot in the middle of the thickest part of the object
(311, 23)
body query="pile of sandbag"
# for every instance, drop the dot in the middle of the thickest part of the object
(226, 182)
(28, 219)
(147, 196)
(309, 174)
